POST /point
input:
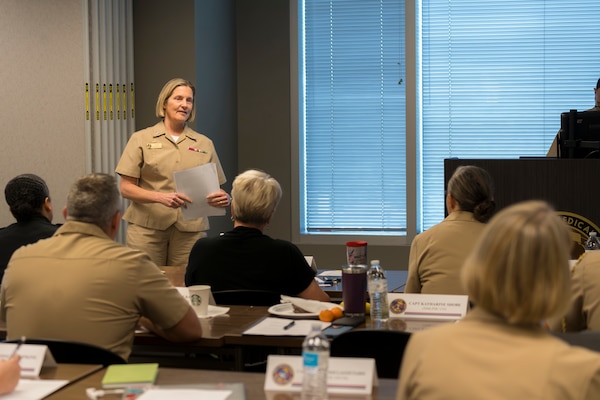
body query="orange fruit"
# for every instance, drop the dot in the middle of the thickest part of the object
(337, 312)
(326, 316)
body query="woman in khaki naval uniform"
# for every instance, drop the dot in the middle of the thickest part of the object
(584, 307)
(517, 276)
(437, 254)
(146, 168)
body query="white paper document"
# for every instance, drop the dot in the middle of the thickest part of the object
(284, 327)
(336, 273)
(197, 183)
(29, 389)
(184, 394)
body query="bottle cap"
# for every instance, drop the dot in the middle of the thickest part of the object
(374, 262)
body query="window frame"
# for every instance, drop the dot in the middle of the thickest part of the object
(411, 185)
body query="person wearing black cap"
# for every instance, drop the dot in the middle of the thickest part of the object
(553, 151)
(28, 197)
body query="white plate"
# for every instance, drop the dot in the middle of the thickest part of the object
(287, 310)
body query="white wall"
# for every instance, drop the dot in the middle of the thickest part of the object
(41, 95)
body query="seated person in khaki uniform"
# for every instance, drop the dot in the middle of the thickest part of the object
(80, 285)
(437, 254)
(517, 276)
(584, 309)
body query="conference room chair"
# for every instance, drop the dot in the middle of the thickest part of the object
(66, 352)
(246, 297)
(587, 339)
(385, 346)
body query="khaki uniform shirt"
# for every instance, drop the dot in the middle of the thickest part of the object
(80, 285)
(152, 156)
(584, 309)
(436, 255)
(481, 357)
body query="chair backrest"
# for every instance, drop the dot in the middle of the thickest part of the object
(587, 339)
(385, 346)
(67, 352)
(247, 297)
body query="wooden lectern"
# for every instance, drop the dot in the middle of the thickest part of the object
(570, 185)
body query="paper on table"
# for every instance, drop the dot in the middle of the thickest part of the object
(337, 273)
(28, 389)
(276, 327)
(183, 394)
(197, 183)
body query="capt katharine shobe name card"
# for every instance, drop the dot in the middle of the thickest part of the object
(427, 306)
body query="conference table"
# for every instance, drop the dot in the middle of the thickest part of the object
(223, 344)
(396, 281)
(253, 384)
(71, 373)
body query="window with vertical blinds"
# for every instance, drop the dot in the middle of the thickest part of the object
(492, 80)
(353, 120)
(495, 77)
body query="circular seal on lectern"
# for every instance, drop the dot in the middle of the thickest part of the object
(580, 231)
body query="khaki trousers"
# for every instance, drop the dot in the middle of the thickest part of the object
(170, 247)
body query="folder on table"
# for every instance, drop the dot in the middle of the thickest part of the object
(130, 375)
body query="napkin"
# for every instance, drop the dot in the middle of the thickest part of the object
(214, 311)
(311, 306)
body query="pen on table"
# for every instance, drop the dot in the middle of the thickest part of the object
(288, 326)
(19, 343)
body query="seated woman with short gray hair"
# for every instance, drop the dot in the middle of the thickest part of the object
(246, 258)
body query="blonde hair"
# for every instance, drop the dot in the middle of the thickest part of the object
(519, 268)
(255, 195)
(167, 91)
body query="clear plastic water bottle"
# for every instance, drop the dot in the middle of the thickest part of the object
(378, 290)
(315, 360)
(593, 243)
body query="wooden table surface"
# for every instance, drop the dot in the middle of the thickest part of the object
(70, 372)
(228, 329)
(253, 384)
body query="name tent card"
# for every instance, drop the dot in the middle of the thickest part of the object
(311, 261)
(345, 375)
(439, 307)
(33, 357)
